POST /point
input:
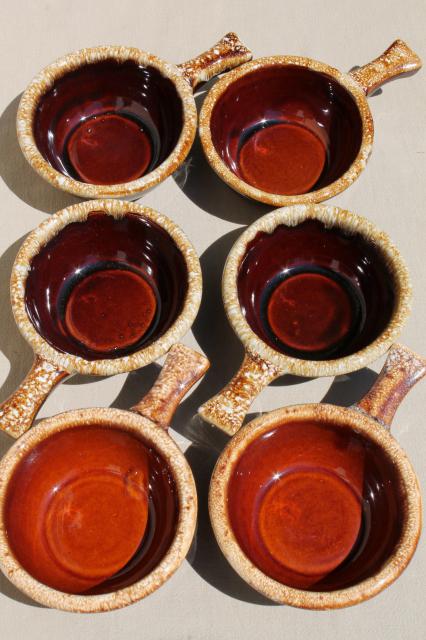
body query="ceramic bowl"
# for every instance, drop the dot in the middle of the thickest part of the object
(65, 502)
(100, 288)
(312, 291)
(291, 130)
(317, 506)
(114, 121)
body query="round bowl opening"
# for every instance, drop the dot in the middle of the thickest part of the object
(315, 505)
(315, 292)
(286, 129)
(108, 122)
(91, 509)
(107, 286)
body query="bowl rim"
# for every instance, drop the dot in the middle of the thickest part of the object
(47, 230)
(225, 173)
(187, 496)
(44, 81)
(331, 217)
(340, 416)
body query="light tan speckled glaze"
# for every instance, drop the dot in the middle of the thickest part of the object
(225, 54)
(397, 59)
(401, 371)
(183, 368)
(228, 408)
(19, 410)
(410, 368)
(17, 413)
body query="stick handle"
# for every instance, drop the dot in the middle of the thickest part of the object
(402, 370)
(229, 407)
(226, 54)
(182, 369)
(397, 60)
(17, 413)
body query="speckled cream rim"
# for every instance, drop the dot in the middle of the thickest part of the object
(163, 443)
(340, 416)
(331, 217)
(44, 81)
(276, 200)
(78, 213)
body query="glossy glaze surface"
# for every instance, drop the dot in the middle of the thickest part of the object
(314, 505)
(108, 122)
(109, 149)
(314, 292)
(107, 286)
(286, 129)
(312, 310)
(110, 309)
(90, 506)
(282, 158)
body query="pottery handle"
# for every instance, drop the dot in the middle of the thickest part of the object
(402, 369)
(182, 369)
(229, 407)
(17, 413)
(226, 54)
(395, 61)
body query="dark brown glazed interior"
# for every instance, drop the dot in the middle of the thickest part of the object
(346, 303)
(97, 260)
(292, 539)
(308, 109)
(108, 122)
(51, 469)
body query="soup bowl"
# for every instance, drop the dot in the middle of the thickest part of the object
(317, 506)
(114, 121)
(98, 506)
(100, 288)
(312, 291)
(291, 130)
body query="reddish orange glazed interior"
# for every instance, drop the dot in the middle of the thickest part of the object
(77, 506)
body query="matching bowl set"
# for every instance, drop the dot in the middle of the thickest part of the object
(314, 505)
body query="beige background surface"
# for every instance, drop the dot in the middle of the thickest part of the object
(206, 599)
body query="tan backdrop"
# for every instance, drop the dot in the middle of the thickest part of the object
(206, 599)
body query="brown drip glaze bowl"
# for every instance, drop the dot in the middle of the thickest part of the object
(114, 121)
(291, 130)
(101, 288)
(99, 505)
(317, 506)
(309, 290)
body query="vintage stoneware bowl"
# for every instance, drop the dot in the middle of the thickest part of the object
(115, 121)
(99, 505)
(317, 506)
(309, 290)
(101, 287)
(291, 130)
